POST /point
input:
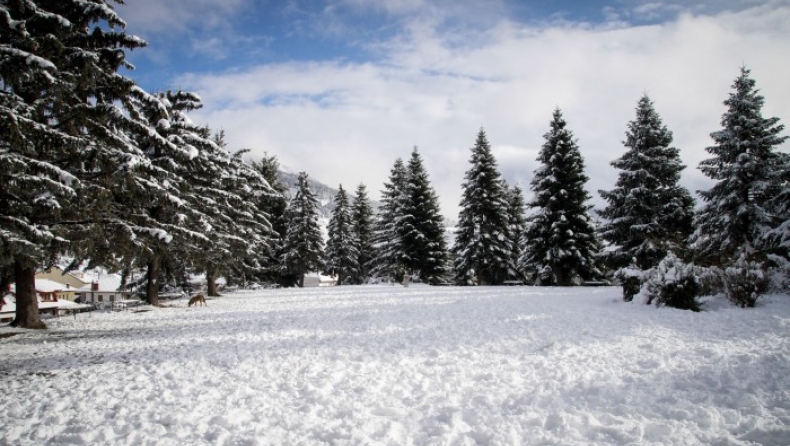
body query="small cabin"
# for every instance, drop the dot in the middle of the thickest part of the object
(314, 280)
(103, 292)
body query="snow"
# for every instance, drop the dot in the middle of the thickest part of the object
(403, 366)
(105, 281)
(46, 285)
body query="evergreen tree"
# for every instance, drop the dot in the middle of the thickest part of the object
(342, 257)
(275, 205)
(421, 225)
(738, 212)
(362, 228)
(226, 189)
(517, 221)
(776, 241)
(63, 112)
(202, 211)
(560, 244)
(483, 244)
(157, 199)
(303, 246)
(390, 257)
(648, 213)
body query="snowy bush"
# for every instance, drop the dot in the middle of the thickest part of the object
(710, 280)
(631, 280)
(744, 282)
(779, 274)
(546, 276)
(673, 283)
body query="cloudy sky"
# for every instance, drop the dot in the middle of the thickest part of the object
(340, 89)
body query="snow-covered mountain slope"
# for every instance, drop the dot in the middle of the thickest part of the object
(403, 366)
(325, 194)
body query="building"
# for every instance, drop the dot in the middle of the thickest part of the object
(104, 292)
(74, 280)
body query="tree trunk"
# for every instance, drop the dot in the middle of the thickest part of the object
(211, 283)
(300, 279)
(152, 286)
(560, 275)
(27, 315)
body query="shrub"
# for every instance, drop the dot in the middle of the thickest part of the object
(673, 283)
(631, 281)
(710, 280)
(744, 282)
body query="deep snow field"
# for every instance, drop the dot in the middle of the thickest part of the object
(384, 365)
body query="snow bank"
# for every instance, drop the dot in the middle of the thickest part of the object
(403, 366)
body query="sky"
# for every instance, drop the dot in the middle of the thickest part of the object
(340, 89)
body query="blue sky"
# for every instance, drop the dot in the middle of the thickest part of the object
(341, 88)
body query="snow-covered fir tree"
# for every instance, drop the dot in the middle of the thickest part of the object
(421, 225)
(62, 114)
(560, 246)
(517, 221)
(739, 211)
(159, 199)
(275, 205)
(389, 261)
(226, 189)
(776, 241)
(303, 246)
(648, 213)
(342, 257)
(362, 228)
(483, 244)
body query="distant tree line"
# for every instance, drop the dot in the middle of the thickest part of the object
(98, 170)
(650, 239)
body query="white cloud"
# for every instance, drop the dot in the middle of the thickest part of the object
(176, 16)
(346, 122)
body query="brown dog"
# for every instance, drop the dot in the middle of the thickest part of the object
(197, 299)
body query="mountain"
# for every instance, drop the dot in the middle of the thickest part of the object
(324, 193)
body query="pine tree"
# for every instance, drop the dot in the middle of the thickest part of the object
(517, 222)
(389, 261)
(62, 114)
(342, 257)
(776, 242)
(560, 244)
(421, 225)
(225, 189)
(171, 225)
(648, 213)
(362, 228)
(303, 246)
(483, 246)
(738, 211)
(275, 205)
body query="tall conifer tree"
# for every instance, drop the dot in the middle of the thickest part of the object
(275, 205)
(362, 226)
(560, 244)
(342, 257)
(421, 225)
(483, 245)
(225, 189)
(63, 113)
(517, 221)
(303, 246)
(648, 213)
(390, 259)
(738, 210)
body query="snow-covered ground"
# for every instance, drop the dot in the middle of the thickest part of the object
(403, 366)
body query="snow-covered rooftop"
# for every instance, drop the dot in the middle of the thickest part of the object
(107, 282)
